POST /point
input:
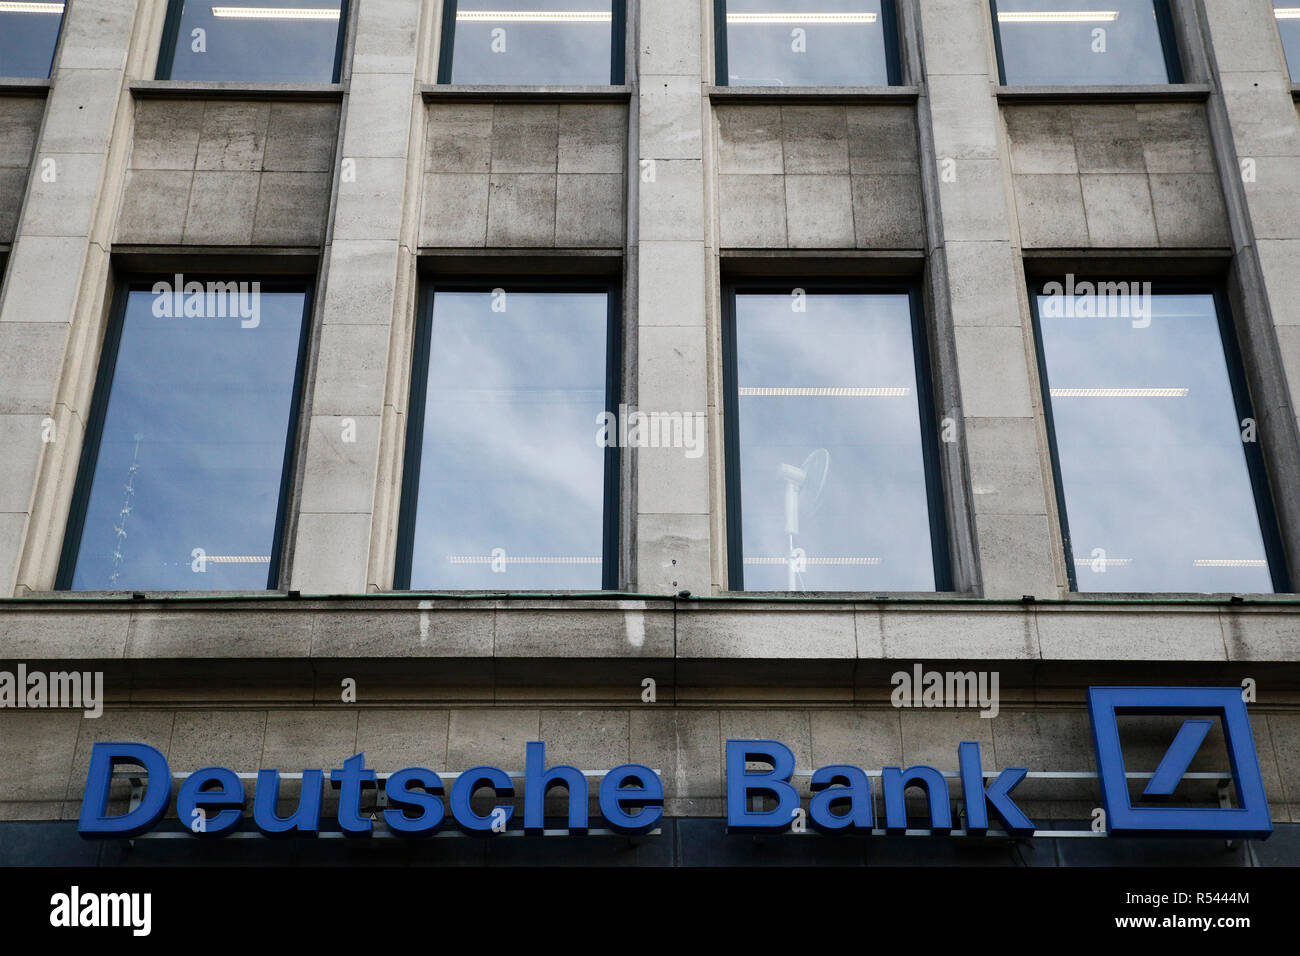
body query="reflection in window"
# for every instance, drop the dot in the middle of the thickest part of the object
(1157, 486)
(270, 41)
(1085, 42)
(28, 35)
(807, 43)
(1287, 14)
(506, 482)
(184, 472)
(533, 42)
(829, 452)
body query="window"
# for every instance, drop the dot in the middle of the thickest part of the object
(269, 41)
(507, 484)
(533, 42)
(1160, 481)
(831, 468)
(1287, 14)
(1085, 42)
(806, 42)
(185, 471)
(28, 35)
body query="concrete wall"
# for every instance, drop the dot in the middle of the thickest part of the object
(229, 173)
(20, 122)
(524, 175)
(816, 177)
(1115, 175)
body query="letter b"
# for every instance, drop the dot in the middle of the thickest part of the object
(775, 782)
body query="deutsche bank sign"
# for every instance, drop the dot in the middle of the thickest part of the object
(759, 799)
(1249, 819)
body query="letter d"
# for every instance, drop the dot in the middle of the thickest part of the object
(775, 782)
(94, 823)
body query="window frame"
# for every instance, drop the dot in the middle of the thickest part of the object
(1256, 467)
(1286, 59)
(1164, 27)
(171, 35)
(618, 45)
(936, 492)
(54, 53)
(888, 22)
(105, 374)
(422, 342)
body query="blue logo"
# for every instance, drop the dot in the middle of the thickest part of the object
(1249, 819)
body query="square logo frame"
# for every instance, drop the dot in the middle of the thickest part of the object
(1249, 820)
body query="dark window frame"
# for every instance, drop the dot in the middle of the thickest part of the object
(888, 22)
(1164, 26)
(936, 494)
(1286, 59)
(1261, 489)
(54, 53)
(618, 43)
(172, 28)
(106, 372)
(414, 441)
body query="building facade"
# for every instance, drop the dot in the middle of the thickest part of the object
(639, 376)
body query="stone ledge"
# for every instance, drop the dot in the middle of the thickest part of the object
(813, 94)
(20, 86)
(644, 629)
(1160, 93)
(193, 90)
(474, 93)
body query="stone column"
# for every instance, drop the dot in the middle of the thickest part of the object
(1259, 159)
(52, 310)
(357, 406)
(670, 229)
(1017, 542)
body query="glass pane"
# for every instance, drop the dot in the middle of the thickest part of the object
(533, 42)
(272, 41)
(28, 35)
(1157, 488)
(1287, 13)
(511, 490)
(1080, 42)
(193, 446)
(806, 43)
(831, 464)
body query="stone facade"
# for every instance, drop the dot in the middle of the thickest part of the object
(374, 183)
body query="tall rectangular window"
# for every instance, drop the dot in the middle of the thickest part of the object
(533, 42)
(806, 42)
(184, 474)
(1287, 14)
(507, 486)
(267, 41)
(832, 471)
(1085, 42)
(1160, 481)
(29, 33)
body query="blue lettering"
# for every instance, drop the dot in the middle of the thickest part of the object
(646, 792)
(153, 804)
(775, 782)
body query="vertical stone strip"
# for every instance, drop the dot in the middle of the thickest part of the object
(1017, 544)
(51, 321)
(1259, 156)
(672, 220)
(353, 454)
